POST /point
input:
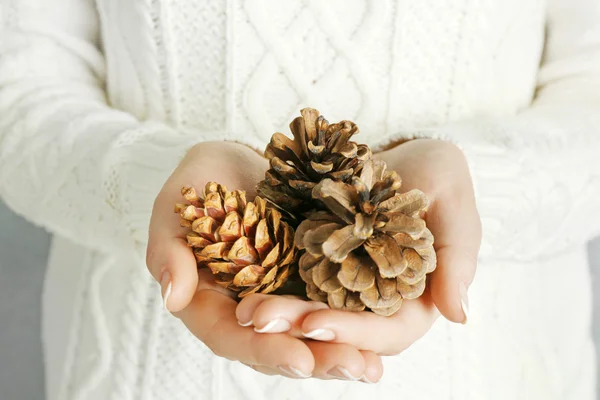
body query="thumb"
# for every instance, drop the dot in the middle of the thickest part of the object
(451, 280)
(173, 265)
(171, 262)
(457, 231)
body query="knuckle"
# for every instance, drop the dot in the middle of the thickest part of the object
(270, 305)
(243, 308)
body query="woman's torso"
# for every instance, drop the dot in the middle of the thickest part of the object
(248, 66)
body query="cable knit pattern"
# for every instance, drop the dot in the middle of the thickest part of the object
(99, 100)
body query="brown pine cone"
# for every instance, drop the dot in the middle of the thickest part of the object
(318, 150)
(371, 249)
(247, 246)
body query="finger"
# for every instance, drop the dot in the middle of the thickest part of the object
(165, 222)
(280, 371)
(368, 331)
(246, 307)
(450, 283)
(373, 367)
(328, 355)
(284, 314)
(211, 317)
(168, 257)
(274, 314)
(455, 224)
(173, 265)
(337, 361)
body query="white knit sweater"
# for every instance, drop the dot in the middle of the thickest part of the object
(100, 99)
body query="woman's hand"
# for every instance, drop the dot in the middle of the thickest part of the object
(168, 257)
(440, 170)
(208, 310)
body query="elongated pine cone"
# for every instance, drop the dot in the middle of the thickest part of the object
(318, 150)
(371, 249)
(246, 245)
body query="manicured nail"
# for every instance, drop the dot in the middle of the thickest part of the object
(464, 301)
(365, 379)
(275, 326)
(288, 369)
(341, 373)
(320, 334)
(166, 287)
(245, 323)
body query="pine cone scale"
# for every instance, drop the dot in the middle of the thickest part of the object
(381, 296)
(416, 268)
(217, 250)
(324, 276)
(345, 300)
(356, 274)
(313, 239)
(337, 195)
(402, 223)
(340, 243)
(387, 255)
(224, 267)
(410, 292)
(196, 241)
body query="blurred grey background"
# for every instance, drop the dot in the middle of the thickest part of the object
(23, 252)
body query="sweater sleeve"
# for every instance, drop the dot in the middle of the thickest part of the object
(537, 173)
(68, 161)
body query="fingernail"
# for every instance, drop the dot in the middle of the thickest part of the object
(320, 334)
(245, 323)
(275, 326)
(166, 287)
(366, 380)
(341, 373)
(288, 369)
(464, 301)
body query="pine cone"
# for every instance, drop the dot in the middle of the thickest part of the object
(319, 150)
(246, 245)
(371, 248)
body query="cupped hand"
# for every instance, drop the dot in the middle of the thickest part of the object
(440, 170)
(208, 310)
(168, 256)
